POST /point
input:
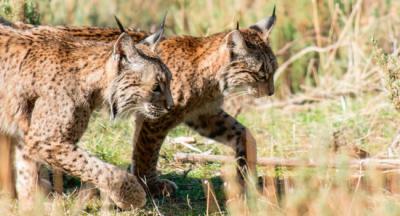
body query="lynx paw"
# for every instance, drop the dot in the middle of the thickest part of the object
(128, 193)
(162, 187)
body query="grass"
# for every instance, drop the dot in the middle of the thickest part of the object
(335, 57)
(297, 132)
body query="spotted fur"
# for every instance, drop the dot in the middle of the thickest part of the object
(205, 71)
(49, 86)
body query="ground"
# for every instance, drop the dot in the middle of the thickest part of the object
(328, 53)
(305, 131)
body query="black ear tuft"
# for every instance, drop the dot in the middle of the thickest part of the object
(272, 19)
(265, 24)
(162, 28)
(163, 21)
(237, 25)
(120, 26)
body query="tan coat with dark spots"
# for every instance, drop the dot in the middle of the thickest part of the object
(205, 70)
(50, 85)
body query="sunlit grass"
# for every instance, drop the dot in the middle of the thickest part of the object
(354, 106)
(289, 133)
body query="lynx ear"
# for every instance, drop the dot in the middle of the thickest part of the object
(235, 42)
(265, 25)
(153, 39)
(124, 47)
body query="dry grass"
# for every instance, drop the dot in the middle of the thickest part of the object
(337, 59)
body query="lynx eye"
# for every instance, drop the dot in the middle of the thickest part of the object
(262, 72)
(157, 88)
(260, 67)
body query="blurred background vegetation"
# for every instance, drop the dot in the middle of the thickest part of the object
(331, 91)
(301, 24)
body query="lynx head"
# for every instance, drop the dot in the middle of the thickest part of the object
(251, 61)
(141, 81)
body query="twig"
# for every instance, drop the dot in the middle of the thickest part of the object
(186, 142)
(346, 28)
(303, 52)
(211, 199)
(381, 164)
(305, 99)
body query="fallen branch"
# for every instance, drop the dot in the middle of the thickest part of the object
(370, 163)
(186, 142)
(308, 98)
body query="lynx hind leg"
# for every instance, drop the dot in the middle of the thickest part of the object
(26, 176)
(225, 129)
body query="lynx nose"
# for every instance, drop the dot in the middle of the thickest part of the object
(271, 90)
(170, 107)
(270, 93)
(169, 101)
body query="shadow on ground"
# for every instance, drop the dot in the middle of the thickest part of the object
(189, 199)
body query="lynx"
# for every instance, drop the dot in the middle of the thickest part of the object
(50, 85)
(205, 70)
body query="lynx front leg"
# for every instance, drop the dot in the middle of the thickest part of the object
(52, 138)
(225, 129)
(145, 157)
